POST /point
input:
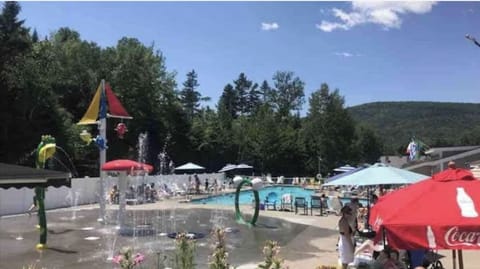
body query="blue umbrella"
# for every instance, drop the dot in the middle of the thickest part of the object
(378, 174)
(349, 172)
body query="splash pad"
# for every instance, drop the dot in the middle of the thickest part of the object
(85, 243)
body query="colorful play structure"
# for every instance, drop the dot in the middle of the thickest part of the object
(256, 185)
(45, 150)
(103, 99)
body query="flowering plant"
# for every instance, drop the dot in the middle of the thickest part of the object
(127, 260)
(219, 257)
(184, 251)
(270, 252)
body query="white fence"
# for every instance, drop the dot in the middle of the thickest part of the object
(85, 191)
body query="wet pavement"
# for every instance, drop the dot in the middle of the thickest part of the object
(77, 240)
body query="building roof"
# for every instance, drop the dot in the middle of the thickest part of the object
(434, 151)
(393, 160)
(475, 150)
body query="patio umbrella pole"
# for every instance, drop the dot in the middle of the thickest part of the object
(368, 209)
(460, 259)
(122, 189)
(454, 258)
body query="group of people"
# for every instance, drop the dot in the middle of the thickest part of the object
(368, 254)
(194, 186)
(147, 192)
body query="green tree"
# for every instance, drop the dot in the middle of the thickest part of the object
(266, 93)
(265, 139)
(14, 45)
(14, 37)
(329, 131)
(189, 96)
(288, 94)
(35, 36)
(369, 145)
(228, 101)
(247, 96)
(140, 79)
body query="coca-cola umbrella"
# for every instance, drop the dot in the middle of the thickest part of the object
(124, 167)
(438, 213)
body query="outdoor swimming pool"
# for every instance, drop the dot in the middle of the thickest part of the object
(246, 196)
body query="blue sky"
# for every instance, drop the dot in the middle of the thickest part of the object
(370, 51)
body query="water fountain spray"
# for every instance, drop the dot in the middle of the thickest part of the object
(163, 158)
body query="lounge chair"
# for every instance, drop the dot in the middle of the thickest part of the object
(316, 202)
(177, 190)
(271, 201)
(287, 202)
(334, 206)
(300, 202)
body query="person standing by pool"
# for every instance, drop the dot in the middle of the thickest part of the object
(346, 248)
(197, 183)
(354, 204)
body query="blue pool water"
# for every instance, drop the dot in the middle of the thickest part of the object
(246, 196)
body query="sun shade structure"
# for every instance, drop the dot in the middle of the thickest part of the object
(126, 166)
(441, 212)
(378, 174)
(17, 176)
(345, 168)
(244, 166)
(228, 167)
(189, 166)
(231, 167)
(349, 172)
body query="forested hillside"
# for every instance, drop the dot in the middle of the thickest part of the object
(434, 123)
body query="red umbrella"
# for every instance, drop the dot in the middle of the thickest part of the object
(438, 213)
(126, 165)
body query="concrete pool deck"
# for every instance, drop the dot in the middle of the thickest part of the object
(312, 245)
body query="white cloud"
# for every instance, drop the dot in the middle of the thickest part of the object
(387, 14)
(269, 26)
(344, 54)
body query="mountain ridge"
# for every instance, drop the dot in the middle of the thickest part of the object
(434, 123)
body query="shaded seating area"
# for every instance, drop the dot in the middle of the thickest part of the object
(271, 201)
(16, 176)
(300, 202)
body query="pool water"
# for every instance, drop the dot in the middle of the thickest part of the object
(246, 196)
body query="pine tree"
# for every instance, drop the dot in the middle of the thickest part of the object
(189, 97)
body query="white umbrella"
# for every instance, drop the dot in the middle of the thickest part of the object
(244, 166)
(190, 166)
(227, 167)
(378, 174)
(345, 168)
